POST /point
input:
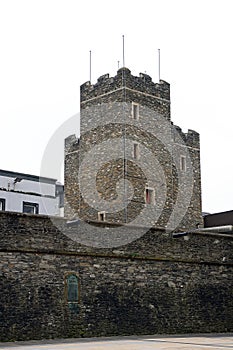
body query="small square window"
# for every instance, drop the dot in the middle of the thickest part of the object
(135, 111)
(30, 208)
(2, 204)
(183, 163)
(149, 196)
(101, 215)
(136, 151)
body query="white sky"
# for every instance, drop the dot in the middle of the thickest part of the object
(44, 58)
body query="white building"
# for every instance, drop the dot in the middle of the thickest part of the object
(30, 194)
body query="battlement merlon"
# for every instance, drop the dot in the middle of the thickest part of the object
(142, 83)
(191, 138)
(71, 144)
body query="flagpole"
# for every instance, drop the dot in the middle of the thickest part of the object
(90, 66)
(159, 63)
(123, 42)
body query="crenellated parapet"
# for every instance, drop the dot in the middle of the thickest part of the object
(191, 138)
(124, 79)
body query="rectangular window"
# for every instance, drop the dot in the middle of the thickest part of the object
(135, 111)
(149, 196)
(183, 163)
(30, 208)
(101, 215)
(136, 151)
(2, 204)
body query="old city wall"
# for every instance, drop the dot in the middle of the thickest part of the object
(155, 284)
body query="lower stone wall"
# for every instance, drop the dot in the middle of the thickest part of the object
(117, 294)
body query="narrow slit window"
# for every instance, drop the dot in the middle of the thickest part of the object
(149, 196)
(101, 216)
(183, 163)
(136, 151)
(135, 111)
(2, 204)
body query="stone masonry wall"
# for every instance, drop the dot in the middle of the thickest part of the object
(155, 284)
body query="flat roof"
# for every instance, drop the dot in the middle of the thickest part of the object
(27, 176)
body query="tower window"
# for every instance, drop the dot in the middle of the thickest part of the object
(101, 215)
(136, 151)
(135, 111)
(183, 163)
(2, 204)
(149, 196)
(30, 208)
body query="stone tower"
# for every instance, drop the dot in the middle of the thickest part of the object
(131, 164)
